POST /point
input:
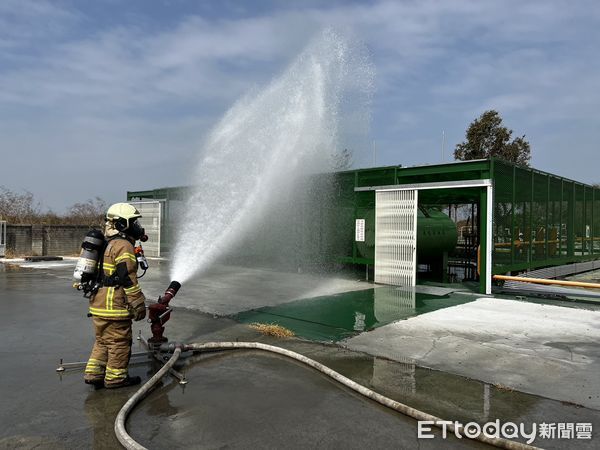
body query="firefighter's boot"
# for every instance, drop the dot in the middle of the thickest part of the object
(98, 384)
(129, 381)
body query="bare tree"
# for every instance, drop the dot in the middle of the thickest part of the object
(90, 212)
(18, 208)
(24, 209)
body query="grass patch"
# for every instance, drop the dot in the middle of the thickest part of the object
(502, 387)
(271, 329)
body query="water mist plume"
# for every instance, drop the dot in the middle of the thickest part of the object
(265, 142)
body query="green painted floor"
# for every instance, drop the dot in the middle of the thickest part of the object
(340, 316)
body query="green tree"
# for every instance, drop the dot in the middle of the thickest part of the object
(487, 137)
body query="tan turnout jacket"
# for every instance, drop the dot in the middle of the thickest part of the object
(115, 302)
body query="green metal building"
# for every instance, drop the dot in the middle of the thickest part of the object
(513, 219)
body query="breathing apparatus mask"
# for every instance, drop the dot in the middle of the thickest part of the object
(132, 228)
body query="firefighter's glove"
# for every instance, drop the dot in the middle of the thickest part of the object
(138, 311)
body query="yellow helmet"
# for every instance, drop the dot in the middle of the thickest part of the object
(122, 211)
(124, 217)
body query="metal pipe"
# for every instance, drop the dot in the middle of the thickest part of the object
(549, 282)
(79, 364)
(164, 348)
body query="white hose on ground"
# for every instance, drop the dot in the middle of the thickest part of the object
(129, 443)
(122, 435)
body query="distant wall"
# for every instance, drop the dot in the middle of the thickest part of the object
(42, 240)
(64, 239)
(18, 239)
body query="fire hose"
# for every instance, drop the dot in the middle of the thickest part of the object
(128, 442)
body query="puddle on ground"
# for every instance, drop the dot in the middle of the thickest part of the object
(336, 317)
(214, 376)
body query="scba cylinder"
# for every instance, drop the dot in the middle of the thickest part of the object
(91, 249)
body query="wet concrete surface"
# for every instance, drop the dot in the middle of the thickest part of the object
(46, 320)
(542, 349)
(233, 399)
(340, 316)
(251, 400)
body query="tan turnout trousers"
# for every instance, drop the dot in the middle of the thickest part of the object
(111, 352)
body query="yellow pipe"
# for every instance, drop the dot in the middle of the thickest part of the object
(550, 241)
(524, 243)
(545, 281)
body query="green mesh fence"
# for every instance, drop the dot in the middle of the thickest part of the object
(542, 220)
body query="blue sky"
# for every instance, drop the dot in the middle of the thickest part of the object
(97, 98)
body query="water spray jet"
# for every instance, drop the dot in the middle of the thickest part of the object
(253, 163)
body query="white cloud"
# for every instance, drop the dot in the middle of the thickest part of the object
(439, 64)
(23, 22)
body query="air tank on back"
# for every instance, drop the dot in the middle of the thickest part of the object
(436, 234)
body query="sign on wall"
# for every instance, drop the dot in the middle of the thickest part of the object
(359, 230)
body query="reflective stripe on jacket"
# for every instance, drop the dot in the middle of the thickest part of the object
(114, 302)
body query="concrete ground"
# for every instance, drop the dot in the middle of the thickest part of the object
(547, 350)
(236, 400)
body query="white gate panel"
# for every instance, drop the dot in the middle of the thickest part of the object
(391, 303)
(396, 237)
(151, 212)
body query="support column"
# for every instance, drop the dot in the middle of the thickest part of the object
(571, 220)
(37, 240)
(485, 240)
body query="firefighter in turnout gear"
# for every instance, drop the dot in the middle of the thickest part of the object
(118, 300)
